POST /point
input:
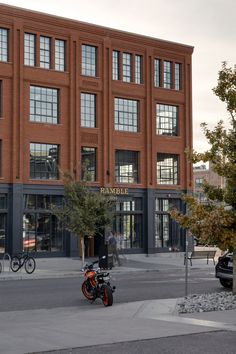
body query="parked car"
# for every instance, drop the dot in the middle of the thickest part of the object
(224, 270)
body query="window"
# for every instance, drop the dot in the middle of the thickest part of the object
(198, 182)
(167, 232)
(177, 76)
(44, 161)
(29, 49)
(163, 71)
(157, 72)
(3, 44)
(1, 100)
(45, 52)
(0, 158)
(43, 105)
(167, 75)
(128, 223)
(41, 229)
(127, 67)
(59, 55)
(89, 60)
(88, 110)
(126, 168)
(167, 169)
(138, 69)
(88, 163)
(115, 65)
(166, 119)
(126, 115)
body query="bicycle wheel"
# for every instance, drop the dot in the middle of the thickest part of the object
(15, 264)
(30, 265)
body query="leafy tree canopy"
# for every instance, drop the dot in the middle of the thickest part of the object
(215, 221)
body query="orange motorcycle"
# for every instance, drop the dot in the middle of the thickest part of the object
(97, 284)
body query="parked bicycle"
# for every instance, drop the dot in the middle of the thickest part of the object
(23, 259)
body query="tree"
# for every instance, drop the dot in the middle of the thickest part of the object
(83, 212)
(215, 221)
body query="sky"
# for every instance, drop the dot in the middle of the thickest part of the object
(207, 25)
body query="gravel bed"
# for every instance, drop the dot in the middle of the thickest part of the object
(207, 302)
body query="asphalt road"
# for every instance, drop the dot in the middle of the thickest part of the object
(132, 286)
(211, 343)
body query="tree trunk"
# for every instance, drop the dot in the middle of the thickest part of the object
(234, 272)
(82, 248)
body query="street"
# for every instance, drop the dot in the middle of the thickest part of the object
(132, 286)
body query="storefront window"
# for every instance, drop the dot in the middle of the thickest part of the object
(166, 230)
(3, 222)
(2, 232)
(128, 223)
(41, 230)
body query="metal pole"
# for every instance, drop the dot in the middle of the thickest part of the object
(186, 265)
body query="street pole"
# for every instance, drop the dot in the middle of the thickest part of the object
(186, 265)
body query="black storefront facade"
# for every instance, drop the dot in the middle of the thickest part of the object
(140, 216)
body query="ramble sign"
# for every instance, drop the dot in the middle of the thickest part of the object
(114, 191)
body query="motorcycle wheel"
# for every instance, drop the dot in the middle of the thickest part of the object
(86, 292)
(107, 296)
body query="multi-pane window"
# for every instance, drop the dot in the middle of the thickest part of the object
(126, 115)
(166, 119)
(59, 55)
(167, 74)
(29, 49)
(126, 166)
(1, 99)
(3, 44)
(89, 60)
(88, 163)
(163, 74)
(44, 161)
(198, 182)
(157, 72)
(115, 65)
(167, 169)
(138, 69)
(45, 52)
(177, 76)
(0, 158)
(127, 67)
(88, 110)
(44, 105)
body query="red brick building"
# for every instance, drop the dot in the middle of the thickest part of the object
(72, 91)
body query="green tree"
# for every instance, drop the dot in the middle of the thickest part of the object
(215, 221)
(83, 212)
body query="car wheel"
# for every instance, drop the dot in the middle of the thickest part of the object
(226, 283)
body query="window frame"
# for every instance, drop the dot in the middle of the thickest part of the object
(122, 116)
(45, 64)
(91, 169)
(43, 174)
(4, 57)
(38, 104)
(92, 111)
(172, 170)
(59, 65)
(32, 35)
(165, 117)
(87, 67)
(130, 174)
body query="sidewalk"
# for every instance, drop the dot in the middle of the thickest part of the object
(70, 327)
(60, 267)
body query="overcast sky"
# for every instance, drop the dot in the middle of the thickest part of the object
(208, 25)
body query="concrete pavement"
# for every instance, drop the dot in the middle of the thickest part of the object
(70, 327)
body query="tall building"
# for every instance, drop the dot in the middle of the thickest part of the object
(72, 91)
(203, 173)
